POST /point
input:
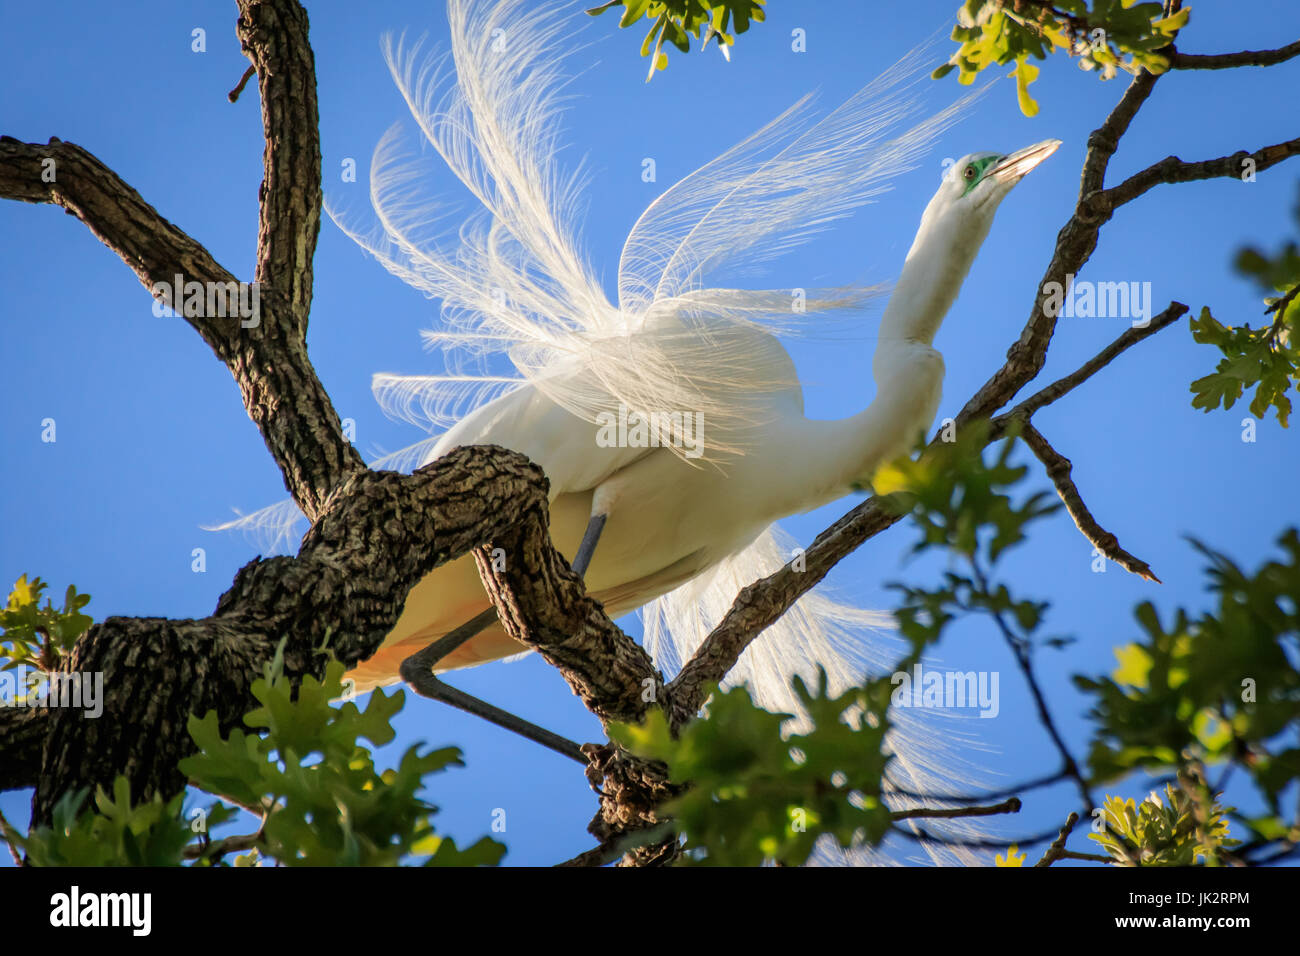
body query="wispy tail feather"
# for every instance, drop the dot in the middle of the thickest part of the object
(851, 644)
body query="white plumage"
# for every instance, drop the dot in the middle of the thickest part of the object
(685, 531)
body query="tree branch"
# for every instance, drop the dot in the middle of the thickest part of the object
(542, 603)
(266, 352)
(1224, 61)
(1062, 386)
(763, 602)
(1057, 850)
(273, 35)
(68, 176)
(22, 741)
(344, 590)
(1058, 470)
(1171, 169)
(1007, 806)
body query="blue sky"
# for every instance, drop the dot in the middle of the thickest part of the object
(153, 442)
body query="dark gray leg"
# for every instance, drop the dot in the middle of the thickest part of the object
(582, 560)
(417, 670)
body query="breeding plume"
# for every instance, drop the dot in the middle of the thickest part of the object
(669, 421)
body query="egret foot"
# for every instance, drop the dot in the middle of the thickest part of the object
(417, 670)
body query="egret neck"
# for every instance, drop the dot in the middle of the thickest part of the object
(907, 370)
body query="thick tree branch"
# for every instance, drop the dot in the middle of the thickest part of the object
(543, 603)
(344, 590)
(273, 34)
(68, 176)
(265, 351)
(22, 741)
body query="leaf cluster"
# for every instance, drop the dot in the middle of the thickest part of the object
(1105, 35)
(1223, 687)
(678, 20)
(755, 795)
(1267, 357)
(1175, 830)
(39, 637)
(326, 803)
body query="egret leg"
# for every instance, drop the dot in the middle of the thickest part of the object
(417, 670)
(582, 560)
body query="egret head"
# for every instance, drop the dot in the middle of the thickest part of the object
(982, 180)
(975, 185)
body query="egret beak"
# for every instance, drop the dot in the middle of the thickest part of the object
(1013, 168)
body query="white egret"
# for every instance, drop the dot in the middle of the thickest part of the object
(688, 523)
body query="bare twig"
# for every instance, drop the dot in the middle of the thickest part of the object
(1062, 386)
(1104, 141)
(1021, 649)
(1090, 857)
(921, 835)
(1281, 304)
(1224, 61)
(1057, 850)
(1171, 169)
(9, 834)
(1034, 784)
(1007, 806)
(233, 95)
(1058, 470)
(232, 844)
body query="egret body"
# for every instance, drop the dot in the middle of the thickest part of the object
(668, 519)
(681, 535)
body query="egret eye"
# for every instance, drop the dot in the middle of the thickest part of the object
(969, 174)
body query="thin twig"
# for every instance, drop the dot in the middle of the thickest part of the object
(1090, 857)
(232, 844)
(1280, 305)
(10, 834)
(1033, 784)
(1172, 170)
(1225, 61)
(1058, 470)
(1007, 806)
(233, 95)
(1021, 651)
(921, 835)
(1057, 850)
(1046, 396)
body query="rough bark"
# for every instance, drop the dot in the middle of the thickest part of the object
(345, 588)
